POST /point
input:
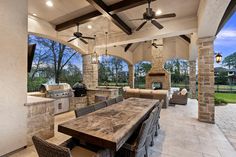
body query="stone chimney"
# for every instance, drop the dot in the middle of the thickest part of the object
(158, 76)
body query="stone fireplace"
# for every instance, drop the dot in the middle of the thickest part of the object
(158, 77)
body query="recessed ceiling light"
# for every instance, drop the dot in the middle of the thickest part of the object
(49, 3)
(158, 12)
(34, 14)
(90, 27)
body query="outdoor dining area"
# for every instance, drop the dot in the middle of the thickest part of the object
(86, 117)
(115, 127)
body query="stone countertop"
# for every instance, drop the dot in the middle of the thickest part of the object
(112, 125)
(33, 100)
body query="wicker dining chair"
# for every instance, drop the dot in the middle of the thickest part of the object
(135, 146)
(111, 101)
(100, 105)
(83, 111)
(157, 123)
(119, 99)
(46, 149)
(151, 132)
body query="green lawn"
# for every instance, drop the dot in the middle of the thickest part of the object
(228, 97)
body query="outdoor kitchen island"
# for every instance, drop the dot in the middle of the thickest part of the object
(40, 117)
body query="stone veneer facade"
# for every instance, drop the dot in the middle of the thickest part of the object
(158, 68)
(206, 105)
(192, 79)
(90, 72)
(40, 120)
(131, 76)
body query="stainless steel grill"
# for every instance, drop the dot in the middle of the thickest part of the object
(61, 92)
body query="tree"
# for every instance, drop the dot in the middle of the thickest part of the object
(117, 67)
(230, 61)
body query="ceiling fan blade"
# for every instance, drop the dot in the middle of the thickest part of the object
(141, 26)
(71, 39)
(91, 38)
(157, 24)
(137, 19)
(84, 41)
(165, 16)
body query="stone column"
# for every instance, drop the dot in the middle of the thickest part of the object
(206, 105)
(90, 72)
(131, 76)
(192, 79)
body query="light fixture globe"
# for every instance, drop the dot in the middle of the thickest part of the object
(218, 58)
(94, 58)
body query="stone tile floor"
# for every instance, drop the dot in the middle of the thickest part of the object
(226, 121)
(181, 135)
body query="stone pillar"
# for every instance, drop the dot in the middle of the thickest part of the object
(131, 76)
(192, 79)
(206, 106)
(90, 72)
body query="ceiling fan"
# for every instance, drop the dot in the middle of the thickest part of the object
(155, 44)
(79, 35)
(150, 15)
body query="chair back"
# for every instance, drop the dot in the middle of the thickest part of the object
(83, 111)
(144, 132)
(155, 116)
(119, 99)
(160, 107)
(100, 105)
(45, 149)
(111, 101)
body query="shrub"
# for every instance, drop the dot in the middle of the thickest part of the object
(220, 102)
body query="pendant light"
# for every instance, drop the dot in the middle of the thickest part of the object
(94, 56)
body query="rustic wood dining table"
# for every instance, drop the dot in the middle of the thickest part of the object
(110, 127)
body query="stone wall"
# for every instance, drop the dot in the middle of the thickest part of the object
(40, 121)
(90, 72)
(78, 102)
(192, 79)
(131, 76)
(206, 109)
(110, 93)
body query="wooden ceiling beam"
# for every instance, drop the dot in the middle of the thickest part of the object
(186, 38)
(125, 5)
(128, 46)
(112, 9)
(103, 8)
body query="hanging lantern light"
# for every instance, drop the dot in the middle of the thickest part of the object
(106, 51)
(218, 58)
(94, 56)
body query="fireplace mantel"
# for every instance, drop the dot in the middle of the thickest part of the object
(156, 74)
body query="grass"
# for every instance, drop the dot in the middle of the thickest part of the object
(227, 97)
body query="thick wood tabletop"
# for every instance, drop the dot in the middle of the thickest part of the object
(111, 126)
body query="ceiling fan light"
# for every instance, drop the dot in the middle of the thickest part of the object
(90, 27)
(158, 12)
(49, 3)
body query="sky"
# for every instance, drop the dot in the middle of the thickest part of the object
(225, 42)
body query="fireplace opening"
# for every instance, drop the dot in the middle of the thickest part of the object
(157, 85)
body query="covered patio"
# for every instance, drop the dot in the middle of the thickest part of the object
(188, 33)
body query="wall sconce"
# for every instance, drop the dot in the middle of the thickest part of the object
(218, 57)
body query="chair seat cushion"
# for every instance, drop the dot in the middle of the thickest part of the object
(79, 151)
